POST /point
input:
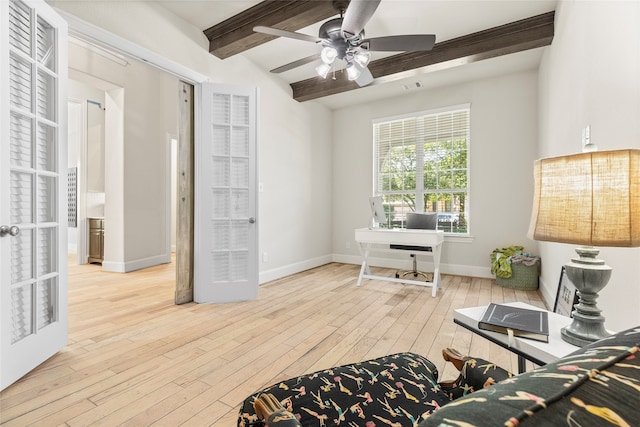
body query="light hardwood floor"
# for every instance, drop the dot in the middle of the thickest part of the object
(136, 359)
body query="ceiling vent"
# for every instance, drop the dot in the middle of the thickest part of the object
(414, 85)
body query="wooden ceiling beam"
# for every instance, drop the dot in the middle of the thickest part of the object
(236, 34)
(517, 36)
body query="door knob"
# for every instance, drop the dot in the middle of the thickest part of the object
(12, 231)
(252, 220)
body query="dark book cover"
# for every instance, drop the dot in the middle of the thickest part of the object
(523, 322)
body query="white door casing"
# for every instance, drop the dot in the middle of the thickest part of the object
(226, 206)
(33, 185)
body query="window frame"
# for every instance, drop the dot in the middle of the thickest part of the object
(411, 145)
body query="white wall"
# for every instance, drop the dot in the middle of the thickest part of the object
(590, 75)
(503, 139)
(294, 139)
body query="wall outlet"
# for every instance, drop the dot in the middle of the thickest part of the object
(587, 145)
(265, 257)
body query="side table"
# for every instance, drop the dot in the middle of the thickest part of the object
(537, 352)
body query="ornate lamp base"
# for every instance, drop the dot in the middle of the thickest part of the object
(589, 275)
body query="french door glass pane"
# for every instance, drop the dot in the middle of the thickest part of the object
(220, 144)
(22, 256)
(20, 131)
(46, 251)
(240, 142)
(240, 110)
(46, 96)
(221, 109)
(220, 172)
(221, 203)
(240, 204)
(220, 239)
(47, 148)
(239, 265)
(21, 197)
(240, 172)
(20, 27)
(47, 186)
(220, 266)
(20, 83)
(21, 319)
(47, 291)
(239, 235)
(45, 44)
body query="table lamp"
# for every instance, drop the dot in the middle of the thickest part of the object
(590, 199)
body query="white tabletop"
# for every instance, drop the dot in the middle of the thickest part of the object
(544, 352)
(400, 236)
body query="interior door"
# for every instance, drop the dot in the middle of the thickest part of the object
(226, 230)
(33, 181)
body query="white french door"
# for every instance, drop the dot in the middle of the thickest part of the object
(33, 181)
(226, 263)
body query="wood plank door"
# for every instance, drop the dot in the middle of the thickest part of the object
(226, 229)
(33, 183)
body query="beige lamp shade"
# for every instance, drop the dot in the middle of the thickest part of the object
(588, 199)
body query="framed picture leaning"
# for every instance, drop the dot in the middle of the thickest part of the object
(566, 296)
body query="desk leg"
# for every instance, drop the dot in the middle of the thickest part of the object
(522, 364)
(436, 269)
(366, 259)
(364, 264)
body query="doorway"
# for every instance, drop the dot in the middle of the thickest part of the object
(98, 110)
(112, 99)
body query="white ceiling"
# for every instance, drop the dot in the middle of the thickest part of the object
(446, 19)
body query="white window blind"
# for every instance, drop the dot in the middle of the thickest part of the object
(421, 164)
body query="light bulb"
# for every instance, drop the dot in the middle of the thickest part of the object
(362, 57)
(328, 54)
(352, 71)
(323, 70)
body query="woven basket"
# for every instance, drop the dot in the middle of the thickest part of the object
(524, 277)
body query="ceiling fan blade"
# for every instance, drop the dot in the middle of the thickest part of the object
(406, 43)
(365, 77)
(295, 64)
(289, 34)
(357, 15)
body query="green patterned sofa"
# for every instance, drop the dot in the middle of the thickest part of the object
(596, 385)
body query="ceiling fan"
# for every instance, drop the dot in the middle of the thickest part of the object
(343, 38)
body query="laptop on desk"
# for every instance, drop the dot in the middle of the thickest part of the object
(419, 221)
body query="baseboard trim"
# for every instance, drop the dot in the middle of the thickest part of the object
(113, 267)
(139, 264)
(287, 270)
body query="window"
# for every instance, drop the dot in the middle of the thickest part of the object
(422, 165)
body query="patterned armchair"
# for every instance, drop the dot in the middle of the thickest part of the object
(597, 385)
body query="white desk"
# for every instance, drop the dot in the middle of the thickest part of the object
(380, 239)
(537, 352)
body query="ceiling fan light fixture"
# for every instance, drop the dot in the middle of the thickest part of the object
(353, 72)
(323, 69)
(362, 57)
(328, 55)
